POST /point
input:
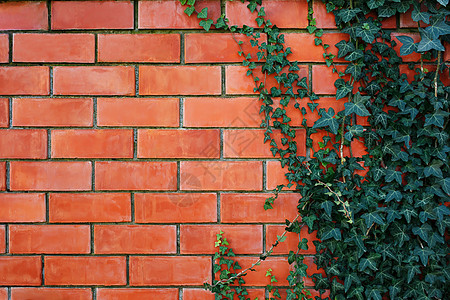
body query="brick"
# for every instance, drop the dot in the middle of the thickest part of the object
(23, 143)
(323, 18)
(52, 112)
(22, 208)
(4, 47)
(89, 207)
(177, 143)
(323, 79)
(139, 48)
(138, 112)
(170, 14)
(414, 57)
(217, 47)
(407, 21)
(304, 49)
(175, 208)
(249, 208)
(99, 80)
(42, 176)
(92, 143)
(221, 112)
(186, 270)
(2, 239)
(197, 294)
(201, 294)
(292, 240)
(283, 13)
(72, 270)
(115, 175)
(179, 80)
(279, 265)
(55, 239)
(51, 293)
(4, 112)
(239, 143)
(221, 175)
(30, 15)
(237, 81)
(20, 270)
(143, 239)
(199, 239)
(92, 15)
(76, 48)
(3, 294)
(24, 80)
(275, 175)
(2, 175)
(136, 294)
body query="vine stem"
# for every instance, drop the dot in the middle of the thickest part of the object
(261, 258)
(436, 74)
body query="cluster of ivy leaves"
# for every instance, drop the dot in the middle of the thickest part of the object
(381, 218)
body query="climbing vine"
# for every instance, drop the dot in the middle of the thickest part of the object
(381, 218)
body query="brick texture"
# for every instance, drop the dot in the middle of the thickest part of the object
(129, 137)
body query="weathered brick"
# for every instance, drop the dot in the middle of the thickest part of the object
(175, 208)
(154, 143)
(139, 48)
(24, 80)
(136, 294)
(22, 208)
(23, 15)
(23, 143)
(51, 293)
(20, 270)
(76, 48)
(89, 207)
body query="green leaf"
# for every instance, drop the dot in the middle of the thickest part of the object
(373, 293)
(441, 211)
(408, 46)
(369, 262)
(436, 118)
(393, 175)
(189, 10)
(357, 54)
(358, 108)
(422, 232)
(327, 206)
(412, 271)
(203, 14)
(374, 4)
(397, 195)
(423, 254)
(386, 11)
(418, 16)
(443, 2)
(395, 289)
(206, 24)
(427, 43)
(344, 48)
(371, 218)
(327, 120)
(437, 28)
(434, 169)
(347, 15)
(343, 89)
(332, 233)
(349, 279)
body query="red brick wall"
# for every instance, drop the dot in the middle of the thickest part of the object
(129, 138)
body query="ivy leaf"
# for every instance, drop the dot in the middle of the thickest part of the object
(395, 289)
(373, 293)
(422, 232)
(327, 119)
(394, 175)
(436, 118)
(397, 195)
(373, 4)
(349, 279)
(441, 211)
(434, 169)
(355, 130)
(344, 48)
(356, 293)
(417, 15)
(203, 14)
(443, 2)
(327, 206)
(359, 108)
(369, 262)
(357, 54)
(206, 24)
(378, 173)
(386, 11)
(437, 28)
(347, 15)
(332, 233)
(343, 88)
(400, 235)
(189, 10)
(427, 43)
(423, 254)
(412, 271)
(408, 46)
(309, 220)
(371, 218)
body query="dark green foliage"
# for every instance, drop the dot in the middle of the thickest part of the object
(381, 235)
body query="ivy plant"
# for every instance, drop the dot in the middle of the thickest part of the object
(381, 218)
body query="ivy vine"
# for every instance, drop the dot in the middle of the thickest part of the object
(381, 218)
